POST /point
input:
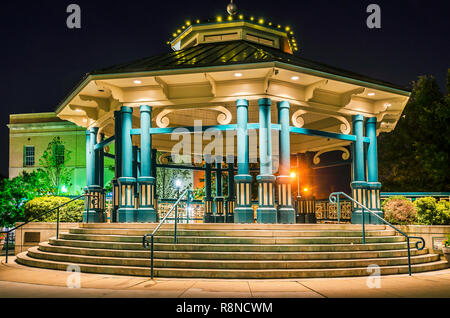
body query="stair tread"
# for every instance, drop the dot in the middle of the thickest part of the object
(24, 255)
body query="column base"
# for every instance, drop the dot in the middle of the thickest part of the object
(208, 214)
(244, 215)
(127, 215)
(146, 215)
(229, 216)
(300, 218)
(266, 215)
(367, 194)
(219, 207)
(286, 215)
(266, 212)
(94, 217)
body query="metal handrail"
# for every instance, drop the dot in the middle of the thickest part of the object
(45, 213)
(334, 197)
(145, 242)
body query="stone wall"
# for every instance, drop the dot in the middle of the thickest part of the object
(35, 232)
(433, 234)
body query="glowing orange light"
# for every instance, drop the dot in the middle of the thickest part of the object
(305, 189)
(292, 175)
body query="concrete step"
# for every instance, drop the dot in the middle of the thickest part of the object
(234, 240)
(235, 232)
(231, 226)
(209, 247)
(46, 247)
(24, 259)
(34, 252)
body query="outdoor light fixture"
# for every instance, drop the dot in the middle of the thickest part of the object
(238, 74)
(292, 175)
(63, 189)
(305, 190)
(137, 82)
(178, 183)
(295, 78)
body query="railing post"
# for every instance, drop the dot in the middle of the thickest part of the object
(152, 256)
(409, 256)
(338, 210)
(7, 246)
(88, 207)
(57, 224)
(176, 221)
(364, 227)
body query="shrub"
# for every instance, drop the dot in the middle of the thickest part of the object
(430, 212)
(72, 212)
(399, 210)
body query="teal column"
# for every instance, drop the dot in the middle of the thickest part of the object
(208, 200)
(219, 201)
(373, 186)
(147, 184)
(266, 213)
(117, 164)
(243, 212)
(101, 164)
(286, 212)
(230, 202)
(94, 212)
(127, 183)
(359, 184)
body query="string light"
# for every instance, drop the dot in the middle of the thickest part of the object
(287, 29)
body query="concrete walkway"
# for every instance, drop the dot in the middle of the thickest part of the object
(20, 281)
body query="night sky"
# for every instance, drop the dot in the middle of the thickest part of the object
(42, 60)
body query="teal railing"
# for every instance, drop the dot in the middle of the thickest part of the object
(145, 242)
(420, 245)
(45, 213)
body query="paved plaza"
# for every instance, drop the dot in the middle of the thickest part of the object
(20, 281)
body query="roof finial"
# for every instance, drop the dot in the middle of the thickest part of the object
(231, 8)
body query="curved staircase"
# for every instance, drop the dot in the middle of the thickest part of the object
(232, 251)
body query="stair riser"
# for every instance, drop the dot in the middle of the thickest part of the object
(271, 274)
(233, 233)
(230, 226)
(229, 265)
(234, 240)
(229, 256)
(233, 248)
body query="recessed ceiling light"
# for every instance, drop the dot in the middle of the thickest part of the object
(78, 110)
(137, 82)
(238, 74)
(294, 78)
(371, 94)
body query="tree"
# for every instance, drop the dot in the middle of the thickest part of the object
(415, 155)
(53, 163)
(16, 192)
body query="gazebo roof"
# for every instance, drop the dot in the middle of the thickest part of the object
(232, 53)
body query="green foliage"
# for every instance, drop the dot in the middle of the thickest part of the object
(53, 163)
(399, 210)
(15, 192)
(165, 179)
(415, 155)
(431, 212)
(72, 212)
(447, 241)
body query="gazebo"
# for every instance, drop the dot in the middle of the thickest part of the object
(233, 91)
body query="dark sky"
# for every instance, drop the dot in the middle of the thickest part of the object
(41, 59)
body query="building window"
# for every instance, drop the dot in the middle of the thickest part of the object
(59, 154)
(28, 160)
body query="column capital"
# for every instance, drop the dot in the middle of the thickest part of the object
(145, 108)
(357, 117)
(371, 120)
(93, 130)
(283, 104)
(242, 103)
(264, 102)
(126, 109)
